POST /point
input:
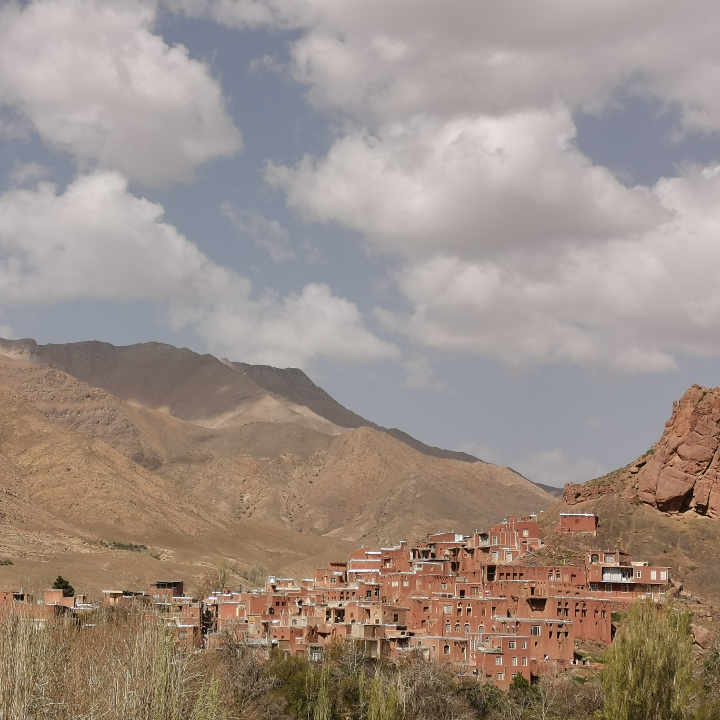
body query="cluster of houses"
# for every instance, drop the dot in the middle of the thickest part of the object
(481, 603)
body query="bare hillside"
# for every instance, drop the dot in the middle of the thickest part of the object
(111, 451)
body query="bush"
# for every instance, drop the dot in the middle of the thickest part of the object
(62, 584)
(649, 671)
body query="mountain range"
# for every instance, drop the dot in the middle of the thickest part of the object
(119, 465)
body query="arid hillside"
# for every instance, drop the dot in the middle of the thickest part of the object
(120, 465)
(665, 506)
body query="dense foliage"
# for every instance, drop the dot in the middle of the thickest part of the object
(121, 665)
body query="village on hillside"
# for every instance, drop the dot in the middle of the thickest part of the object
(478, 602)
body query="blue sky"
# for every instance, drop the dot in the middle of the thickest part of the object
(494, 228)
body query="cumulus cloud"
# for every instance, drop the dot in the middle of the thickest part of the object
(94, 80)
(383, 61)
(458, 157)
(471, 185)
(97, 240)
(268, 235)
(634, 303)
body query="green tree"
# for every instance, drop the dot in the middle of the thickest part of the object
(62, 584)
(649, 670)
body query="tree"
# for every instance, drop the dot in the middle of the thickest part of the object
(62, 584)
(649, 670)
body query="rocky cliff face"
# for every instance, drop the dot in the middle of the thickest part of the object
(681, 472)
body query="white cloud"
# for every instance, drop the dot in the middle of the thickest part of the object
(385, 61)
(634, 303)
(472, 185)
(94, 80)
(289, 330)
(97, 240)
(266, 234)
(458, 157)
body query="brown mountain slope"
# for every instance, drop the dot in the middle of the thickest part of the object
(263, 481)
(203, 389)
(665, 506)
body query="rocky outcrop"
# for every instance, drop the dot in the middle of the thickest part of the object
(683, 471)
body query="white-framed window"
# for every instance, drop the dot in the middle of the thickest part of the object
(508, 556)
(446, 649)
(663, 574)
(535, 630)
(524, 644)
(653, 574)
(638, 574)
(501, 676)
(498, 659)
(512, 644)
(514, 662)
(494, 539)
(525, 661)
(447, 609)
(526, 532)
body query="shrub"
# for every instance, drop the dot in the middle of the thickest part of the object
(62, 584)
(649, 671)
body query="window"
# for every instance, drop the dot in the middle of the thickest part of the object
(494, 539)
(609, 557)
(535, 630)
(525, 661)
(638, 574)
(653, 574)
(446, 649)
(663, 574)
(395, 617)
(512, 644)
(498, 659)
(524, 644)
(514, 662)
(467, 628)
(501, 676)
(508, 556)
(526, 533)
(447, 609)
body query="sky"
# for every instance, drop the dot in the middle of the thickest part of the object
(493, 225)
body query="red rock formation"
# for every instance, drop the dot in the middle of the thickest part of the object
(681, 472)
(684, 470)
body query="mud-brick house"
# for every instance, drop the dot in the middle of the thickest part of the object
(579, 523)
